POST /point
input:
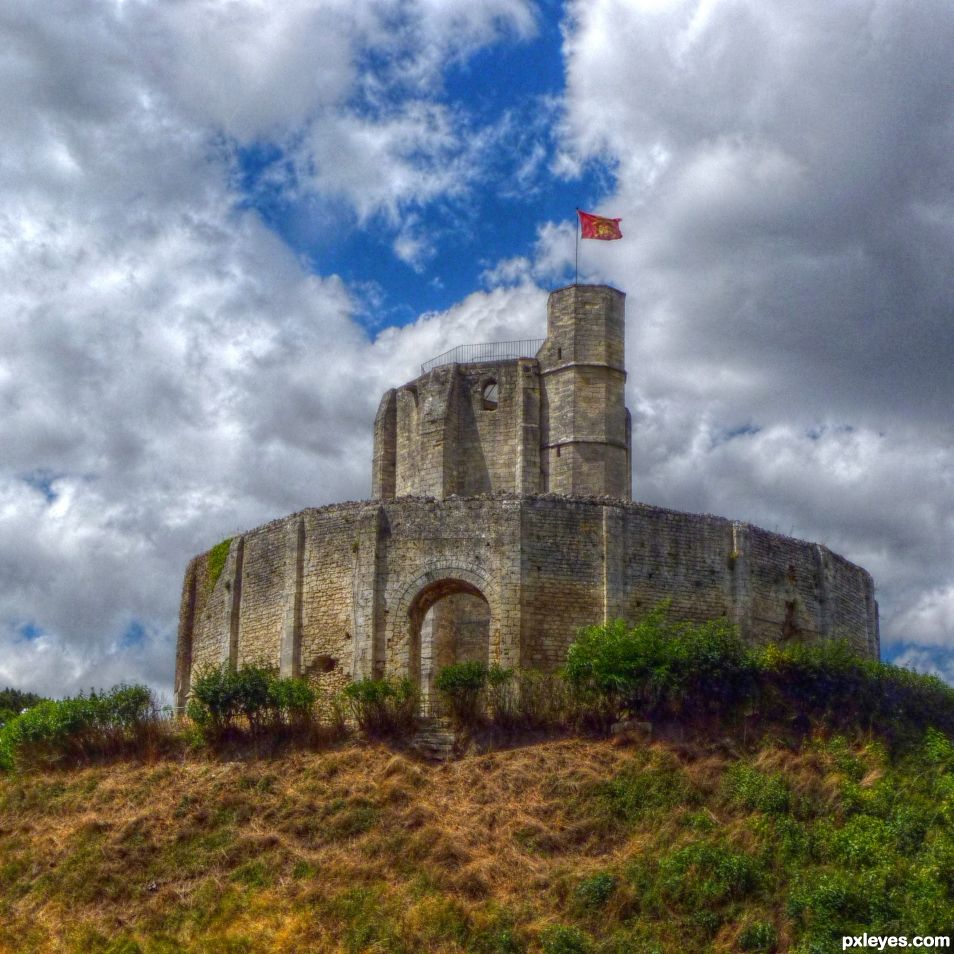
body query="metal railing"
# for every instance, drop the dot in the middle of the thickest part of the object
(489, 351)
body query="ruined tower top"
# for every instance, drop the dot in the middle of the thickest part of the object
(555, 421)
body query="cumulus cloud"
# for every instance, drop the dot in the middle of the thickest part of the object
(784, 176)
(169, 371)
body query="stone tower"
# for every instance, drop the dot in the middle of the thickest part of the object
(550, 422)
(585, 424)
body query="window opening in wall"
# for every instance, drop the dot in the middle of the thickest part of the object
(490, 395)
(558, 451)
(559, 353)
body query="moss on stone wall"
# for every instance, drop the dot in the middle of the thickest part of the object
(215, 562)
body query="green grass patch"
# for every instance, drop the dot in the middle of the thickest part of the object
(751, 788)
(652, 784)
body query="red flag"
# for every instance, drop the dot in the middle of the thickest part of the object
(597, 227)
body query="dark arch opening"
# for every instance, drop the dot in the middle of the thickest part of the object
(450, 623)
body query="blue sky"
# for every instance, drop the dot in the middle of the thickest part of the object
(227, 227)
(513, 87)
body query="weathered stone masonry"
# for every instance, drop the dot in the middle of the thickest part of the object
(502, 523)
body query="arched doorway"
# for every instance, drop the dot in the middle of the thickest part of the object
(449, 622)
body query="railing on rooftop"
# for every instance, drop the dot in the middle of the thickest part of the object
(489, 351)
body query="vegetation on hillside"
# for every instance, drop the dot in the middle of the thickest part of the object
(565, 846)
(803, 794)
(122, 721)
(661, 669)
(224, 700)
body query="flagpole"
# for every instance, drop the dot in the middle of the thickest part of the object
(576, 270)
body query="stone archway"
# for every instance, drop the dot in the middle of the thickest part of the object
(444, 616)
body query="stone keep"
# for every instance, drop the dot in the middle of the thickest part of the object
(501, 522)
(556, 423)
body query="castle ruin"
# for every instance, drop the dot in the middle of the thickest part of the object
(501, 522)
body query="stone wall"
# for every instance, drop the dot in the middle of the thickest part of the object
(559, 422)
(441, 435)
(343, 591)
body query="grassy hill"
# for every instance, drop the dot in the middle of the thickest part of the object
(562, 846)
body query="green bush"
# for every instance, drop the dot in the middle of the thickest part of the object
(78, 729)
(293, 700)
(652, 784)
(222, 696)
(750, 788)
(559, 939)
(662, 669)
(213, 704)
(461, 686)
(595, 891)
(831, 684)
(836, 902)
(657, 667)
(382, 707)
(758, 936)
(707, 873)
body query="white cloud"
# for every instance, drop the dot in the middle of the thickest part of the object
(553, 255)
(784, 176)
(930, 620)
(169, 373)
(382, 165)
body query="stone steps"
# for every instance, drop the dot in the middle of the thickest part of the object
(435, 740)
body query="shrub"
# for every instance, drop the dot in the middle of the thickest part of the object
(758, 936)
(831, 684)
(252, 696)
(293, 700)
(213, 703)
(707, 873)
(267, 703)
(461, 686)
(558, 939)
(594, 892)
(661, 668)
(79, 728)
(648, 786)
(603, 663)
(658, 668)
(832, 903)
(382, 707)
(749, 787)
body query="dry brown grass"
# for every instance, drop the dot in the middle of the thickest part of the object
(359, 847)
(116, 848)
